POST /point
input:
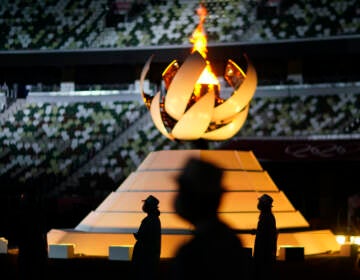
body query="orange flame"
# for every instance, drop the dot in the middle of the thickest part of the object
(199, 40)
(198, 37)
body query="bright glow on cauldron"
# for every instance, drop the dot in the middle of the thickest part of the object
(191, 108)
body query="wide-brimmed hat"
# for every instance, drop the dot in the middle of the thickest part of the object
(151, 201)
(266, 199)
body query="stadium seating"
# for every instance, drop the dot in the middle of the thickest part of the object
(82, 24)
(58, 138)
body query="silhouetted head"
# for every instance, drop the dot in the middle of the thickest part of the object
(265, 202)
(199, 190)
(150, 204)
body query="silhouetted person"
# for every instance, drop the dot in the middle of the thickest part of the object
(265, 240)
(214, 251)
(146, 253)
(32, 236)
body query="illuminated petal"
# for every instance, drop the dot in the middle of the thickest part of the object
(156, 116)
(146, 97)
(240, 98)
(169, 73)
(182, 85)
(229, 130)
(234, 75)
(196, 120)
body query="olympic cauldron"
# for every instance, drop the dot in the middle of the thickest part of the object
(189, 107)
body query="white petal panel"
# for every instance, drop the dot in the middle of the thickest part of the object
(230, 129)
(196, 120)
(182, 85)
(156, 116)
(240, 98)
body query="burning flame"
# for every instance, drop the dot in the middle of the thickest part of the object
(198, 37)
(199, 40)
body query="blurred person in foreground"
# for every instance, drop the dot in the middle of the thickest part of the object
(265, 245)
(147, 248)
(214, 251)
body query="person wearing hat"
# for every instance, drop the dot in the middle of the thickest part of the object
(265, 245)
(214, 251)
(146, 254)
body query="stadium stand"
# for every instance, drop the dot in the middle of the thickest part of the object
(81, 147)
(69, 24)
